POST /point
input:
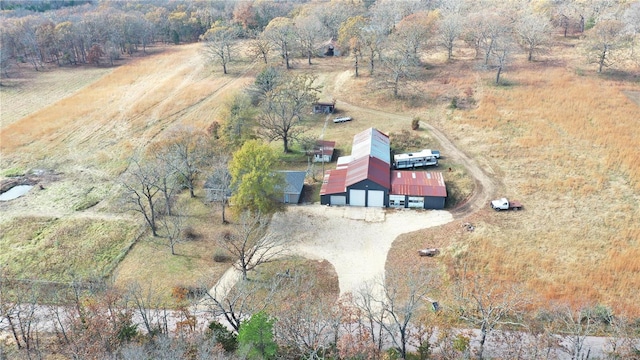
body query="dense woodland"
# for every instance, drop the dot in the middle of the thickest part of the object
(388, 40)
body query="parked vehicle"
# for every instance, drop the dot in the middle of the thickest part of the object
(414, 160)
(434, 153)
(429, 252)
(342, 119)
(504, 204)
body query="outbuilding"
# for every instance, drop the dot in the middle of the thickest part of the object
(323, 151)
(324, 107)
(361, 179)
(294, 184)
(417, 189)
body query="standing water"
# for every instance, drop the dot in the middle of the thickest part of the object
(15, 192)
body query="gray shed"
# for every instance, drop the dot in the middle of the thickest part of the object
(294, 184)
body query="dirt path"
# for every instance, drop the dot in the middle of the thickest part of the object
(485, 185)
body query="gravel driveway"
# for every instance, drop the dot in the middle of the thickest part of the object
(355, 240)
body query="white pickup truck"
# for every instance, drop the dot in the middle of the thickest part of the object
(504, 204)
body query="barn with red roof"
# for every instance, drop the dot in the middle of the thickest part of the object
(364, 178)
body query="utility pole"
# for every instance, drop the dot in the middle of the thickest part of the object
(326, 119)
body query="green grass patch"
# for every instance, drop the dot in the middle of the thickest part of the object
(13, 172)
(63, 250)
(89, 200)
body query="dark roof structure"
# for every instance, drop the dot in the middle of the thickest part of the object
(294, 181)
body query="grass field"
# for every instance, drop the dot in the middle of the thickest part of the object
(559, 138)
(62, 250)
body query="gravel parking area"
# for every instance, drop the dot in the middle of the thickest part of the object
(355, 240)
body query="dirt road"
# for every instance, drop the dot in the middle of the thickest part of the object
(485, 185)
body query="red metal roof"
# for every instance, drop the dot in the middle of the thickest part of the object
(334, 182)
(324, 147)
(418, 183)
(370, 168)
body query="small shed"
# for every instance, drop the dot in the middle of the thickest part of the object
(215, 192)
(333, 190)
(323, 151)
(294, 184)
(417, 189)
(324, 107)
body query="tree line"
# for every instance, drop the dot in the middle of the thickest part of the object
(385, 37)
(285, 317)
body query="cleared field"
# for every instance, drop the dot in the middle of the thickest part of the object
(28, 92)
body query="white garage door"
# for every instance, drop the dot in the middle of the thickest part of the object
(338, 200)
(416, 202)
(356, 197)
(376, 198)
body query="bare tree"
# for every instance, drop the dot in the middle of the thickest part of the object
(624, 343)
(350, 39)
(218, 185)
(219, 43)
(413, 33)
(449, 29)
(402, 298)
(280, 32)
(574, 325)
(306, 320)
(149, 308)
(502, 48)
(333, 15)
(603, 41)
(18, 313)
(533, 32)
(171, 228)
(372, 38)
(237, 301)
(260, 47)
(187, 152)
(632, 19)
(250, 243)
(142, 193)
(285, 107)
(357, 335)
(489, 305)
(398, 67)
(309, 34)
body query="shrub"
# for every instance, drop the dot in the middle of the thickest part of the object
(221, 256)
(454, 103)
(415, 123)
(223, 336)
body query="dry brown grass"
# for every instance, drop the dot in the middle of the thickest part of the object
(150, 260)
(27, 91)
(566, 146)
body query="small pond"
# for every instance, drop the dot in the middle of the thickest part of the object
(15, 192)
